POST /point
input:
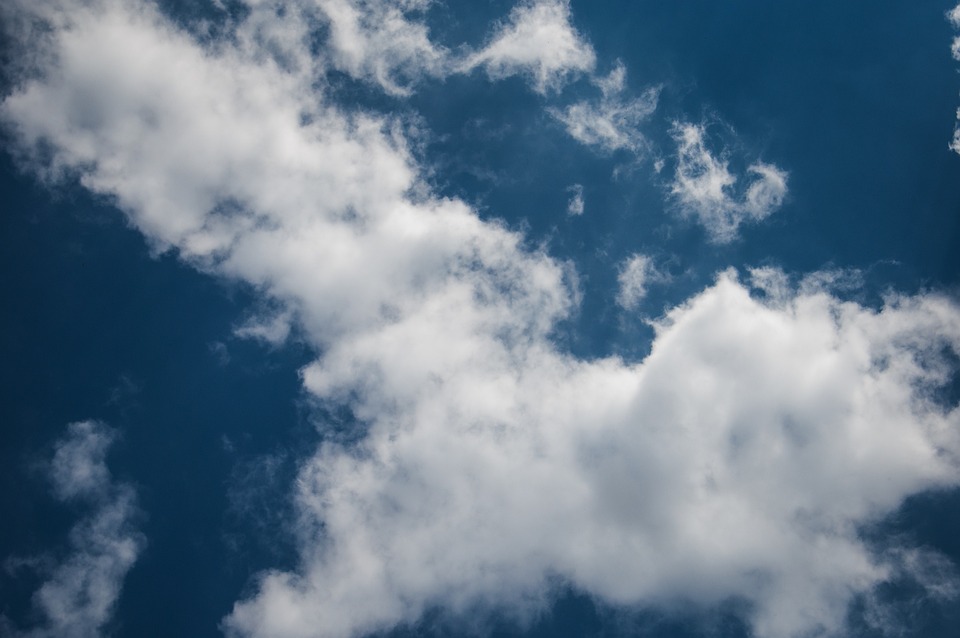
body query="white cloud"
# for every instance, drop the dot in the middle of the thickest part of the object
(575, 205)
(377, 39)
(613, 122)
(703, 187)
(737, 460)
(78, 596)
(636, 274)
(270, 328)
(537, 41)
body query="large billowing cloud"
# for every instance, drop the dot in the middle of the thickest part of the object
(78, 595)
(737, 460)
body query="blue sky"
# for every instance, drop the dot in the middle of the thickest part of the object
(350, 318)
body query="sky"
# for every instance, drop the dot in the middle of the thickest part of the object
(372, 318)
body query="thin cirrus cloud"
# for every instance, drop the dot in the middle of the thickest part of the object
(78, 595)
(736, 461)
(703, 187)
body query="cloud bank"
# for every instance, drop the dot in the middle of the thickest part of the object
(738, 460)
(79, 594)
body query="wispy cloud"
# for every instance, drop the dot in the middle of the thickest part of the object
(636, 274)
(78, 595)
(382, 41)
(704, 187)
(537, 41)
(492, 461)
(576, 204)
(613, 121)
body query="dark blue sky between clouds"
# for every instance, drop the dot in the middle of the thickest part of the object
(213, 430)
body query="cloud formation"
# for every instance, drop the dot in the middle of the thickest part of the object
(536, 41)
(703, 187)
(737, 460)
(636, 274)
(78, 596)
(378, 40)
(612, 122)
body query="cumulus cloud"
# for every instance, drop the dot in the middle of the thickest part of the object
(704, 187)
(737, 460)
(612, 122)
(78, 596)
(636, 274)
(539, 42)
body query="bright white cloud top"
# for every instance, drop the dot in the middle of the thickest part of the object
(737, 460)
